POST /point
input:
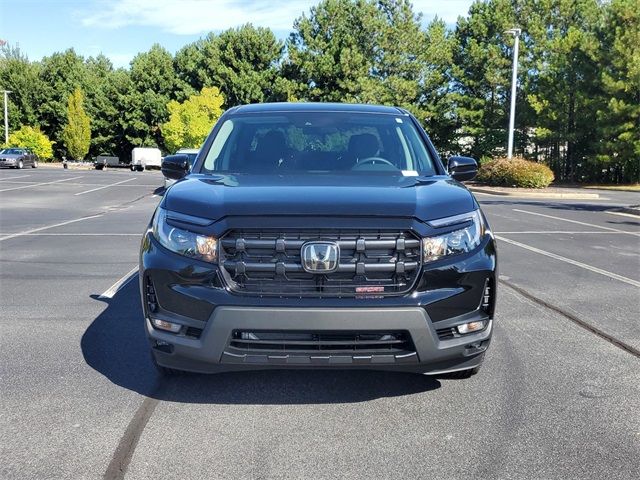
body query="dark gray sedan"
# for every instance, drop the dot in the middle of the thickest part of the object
(18, 158)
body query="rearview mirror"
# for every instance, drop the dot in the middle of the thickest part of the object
(175, 166)
(462, 168)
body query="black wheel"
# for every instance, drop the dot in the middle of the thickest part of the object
(133, 168)
(35, 164)
(20, 165)
(462, 374)
(166, 371)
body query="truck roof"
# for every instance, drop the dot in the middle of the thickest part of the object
(316, 107)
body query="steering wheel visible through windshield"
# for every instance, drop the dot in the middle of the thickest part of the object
(318, 142)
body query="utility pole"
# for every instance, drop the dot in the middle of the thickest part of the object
(6, 116)
(514, 80)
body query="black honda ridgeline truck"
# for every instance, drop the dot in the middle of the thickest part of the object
(318, 236)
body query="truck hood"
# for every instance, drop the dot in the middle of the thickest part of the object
(215, 197)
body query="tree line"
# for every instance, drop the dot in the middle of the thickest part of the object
(578, 100)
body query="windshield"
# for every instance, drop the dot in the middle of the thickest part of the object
(12, 151)
(318, 142)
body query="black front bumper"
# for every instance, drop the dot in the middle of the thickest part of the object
(191, 293)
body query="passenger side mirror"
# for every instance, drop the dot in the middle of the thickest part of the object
(462, 168)
(175, 166)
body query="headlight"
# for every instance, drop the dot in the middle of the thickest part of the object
(456, 242)
(184, 242)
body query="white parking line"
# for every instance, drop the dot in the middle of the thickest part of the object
(637, 234)
(105, 186)
(39, 184)
(15, 176)
(75, 184)
(76, 234)
(39, 229)
(615, 276)
(24, 182)
(624, 214)
(569, 232)
(113, 289)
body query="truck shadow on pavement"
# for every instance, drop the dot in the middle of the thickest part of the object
(115, 346)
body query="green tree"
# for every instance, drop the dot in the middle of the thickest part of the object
(244, 62)
(21, 77)
(77, 132)
(34, 139)
(375, 52)
(191, 121)
(100, 104)
(332, 51)
(434, 106)
(188, 64)
(399, 61)
(619, 115)
(153, 84)
(481, 73)
(565, 93)
(60, 74)
(116, 131)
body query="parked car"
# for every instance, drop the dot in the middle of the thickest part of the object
(318, 236)
(143, 158)
(190, 154)
(18, 158)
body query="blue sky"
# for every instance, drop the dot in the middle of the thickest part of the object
(121, 28)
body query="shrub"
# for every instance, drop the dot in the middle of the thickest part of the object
(34, 139)
(516, 172)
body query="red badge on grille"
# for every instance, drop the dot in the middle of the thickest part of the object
(369, 289)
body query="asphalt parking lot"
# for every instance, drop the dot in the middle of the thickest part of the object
(558, 396)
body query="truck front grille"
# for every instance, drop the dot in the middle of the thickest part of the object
(371, 263)
(328, 348)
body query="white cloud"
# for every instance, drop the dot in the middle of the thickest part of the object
(192, 17)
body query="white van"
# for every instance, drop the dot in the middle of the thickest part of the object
(144, 158)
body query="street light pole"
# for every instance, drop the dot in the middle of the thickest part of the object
(6, 117)
(514, 80)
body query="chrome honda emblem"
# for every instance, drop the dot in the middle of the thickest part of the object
(320, 257)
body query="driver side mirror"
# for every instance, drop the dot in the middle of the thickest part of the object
(462, 168)
(175, 166)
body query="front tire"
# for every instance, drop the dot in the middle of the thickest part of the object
(35, 164)
(462, 374)
(166, 371)
(20, 165)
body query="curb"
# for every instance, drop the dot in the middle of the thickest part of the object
(550, 195)
(58, 166)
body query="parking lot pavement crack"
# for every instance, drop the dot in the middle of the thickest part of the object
(124, 205)
(126, 447)
(573, 318)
